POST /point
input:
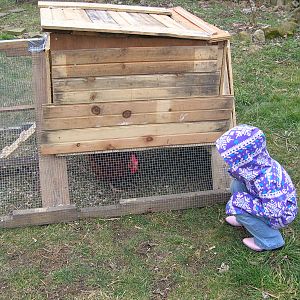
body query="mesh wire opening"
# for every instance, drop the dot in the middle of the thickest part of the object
(106, 178)
(19, 173)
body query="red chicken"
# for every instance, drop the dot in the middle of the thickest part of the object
(114, 167)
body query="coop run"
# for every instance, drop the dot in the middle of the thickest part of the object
(116, 111)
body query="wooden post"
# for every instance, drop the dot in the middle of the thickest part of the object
(230, 82)
(221, 179)
(53, 170)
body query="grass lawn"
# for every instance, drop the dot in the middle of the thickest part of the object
(188, 254)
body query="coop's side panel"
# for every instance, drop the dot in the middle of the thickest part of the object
(53, 170)
(155, 78)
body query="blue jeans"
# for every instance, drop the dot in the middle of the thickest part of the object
(265, 236)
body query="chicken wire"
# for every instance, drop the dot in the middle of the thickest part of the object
(19, 178)
(107, 178)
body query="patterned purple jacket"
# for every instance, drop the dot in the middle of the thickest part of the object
(271, 192)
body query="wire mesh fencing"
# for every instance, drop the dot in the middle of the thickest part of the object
(19, 174)
(108, 178)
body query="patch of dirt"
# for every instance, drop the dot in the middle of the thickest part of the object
(145, 248)
(122, 233)
(162, 287)
(63, 290)
(47, 259)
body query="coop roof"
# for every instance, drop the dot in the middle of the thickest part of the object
(154, 21)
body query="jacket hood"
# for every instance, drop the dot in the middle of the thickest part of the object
(243, 148)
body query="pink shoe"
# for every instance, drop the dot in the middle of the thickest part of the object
(249, 242)
(232, 221)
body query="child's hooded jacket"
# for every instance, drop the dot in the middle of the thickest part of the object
(271, 192)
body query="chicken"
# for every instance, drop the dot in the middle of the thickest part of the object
(114, 167)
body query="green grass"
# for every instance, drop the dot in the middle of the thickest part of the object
(27, 19)
(176, 255)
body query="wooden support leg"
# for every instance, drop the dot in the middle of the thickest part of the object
(53, 170)
(221, 179)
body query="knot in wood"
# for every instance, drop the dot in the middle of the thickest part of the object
(78, 145)
(93, 96)
(91, 79)
(126, 114)
(96, 110)
(149, 138)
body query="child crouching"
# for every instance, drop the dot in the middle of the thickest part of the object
(263, 196)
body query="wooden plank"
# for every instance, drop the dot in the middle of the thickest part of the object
(134, 94)
(39, 216)
(130, 143)
(153, 21)
(135, 68)
(220, 176)
(17, 108)
(92, 15)
(143, 20)
(104, 7)
(111, 108)
(128, 18)
(230, 79)
(202, 25)
(48, 75)
(118, 18)
(167, 21)
(70, 14)
(46, 15)
(217, 35)
(43, 216)
(90, 134)
(16, 44)
(183, 21)
(81, 15)
(52, 170)
(222, 53)
(135, 54)
(229, 67)
(75, 15)
(58, 24)
(57, 14)
(135, 81)
(156, 204)
(136, 119)
(98, 16)
(80, 40)
(225, 87)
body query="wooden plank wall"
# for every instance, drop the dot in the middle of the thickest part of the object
(117, 98)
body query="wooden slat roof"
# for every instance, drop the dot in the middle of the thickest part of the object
(109, 18)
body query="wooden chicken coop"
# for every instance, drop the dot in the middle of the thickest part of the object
(116, 77)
